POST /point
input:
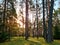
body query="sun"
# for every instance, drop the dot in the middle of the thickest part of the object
(19, 18)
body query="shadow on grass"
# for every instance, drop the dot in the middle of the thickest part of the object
(31, 41)
(25, 42)
(20, 41)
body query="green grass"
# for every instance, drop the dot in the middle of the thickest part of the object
(30, 41)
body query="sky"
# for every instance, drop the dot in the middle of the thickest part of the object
(0, 1)
(56, 6)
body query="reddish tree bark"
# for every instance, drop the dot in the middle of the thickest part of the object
(26, 22)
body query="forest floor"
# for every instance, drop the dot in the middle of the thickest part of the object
(30, 41)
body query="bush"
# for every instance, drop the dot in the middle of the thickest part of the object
(3, 37)
(57, 32)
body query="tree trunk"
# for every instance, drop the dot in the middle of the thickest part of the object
(33, 29)
(44, 26)
(37, 17)
(4, 14)
(26, 23)
(50, 33)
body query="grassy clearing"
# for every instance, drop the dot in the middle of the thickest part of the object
(31, 41)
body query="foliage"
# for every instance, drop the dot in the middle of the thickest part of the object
(4, 36)
(13, 11)
(56, 23)
(57, 32)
